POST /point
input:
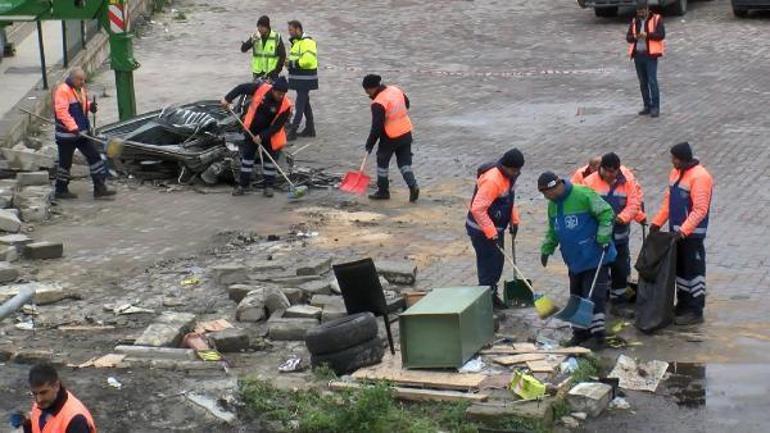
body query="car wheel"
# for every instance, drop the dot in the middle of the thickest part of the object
(740, 13)
(678, 8)
(369, 352)
(606, 12)
(340, 334)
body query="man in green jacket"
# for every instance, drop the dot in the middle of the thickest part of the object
(580, 222)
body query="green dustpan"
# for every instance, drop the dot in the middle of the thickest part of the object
(517, 293)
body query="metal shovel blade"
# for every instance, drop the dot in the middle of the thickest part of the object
(516, 293)
(355, 182)
(578, 311)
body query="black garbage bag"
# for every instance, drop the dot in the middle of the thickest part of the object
(656, 265)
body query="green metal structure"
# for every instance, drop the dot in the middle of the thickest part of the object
(112, 16)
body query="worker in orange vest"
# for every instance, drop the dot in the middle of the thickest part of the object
(618, 187)
(266, 116)
(583, 172)
(686, 206)
(645, 45)
(393, 128)
(55, 410)
(491, 211)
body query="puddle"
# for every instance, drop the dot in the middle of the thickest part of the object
(687, 383)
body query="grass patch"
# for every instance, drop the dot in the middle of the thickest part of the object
(588, 367)
(323, 373)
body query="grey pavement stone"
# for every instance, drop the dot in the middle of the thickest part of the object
(17, 240)
(284, 329)
(27, 159)
(43, 250)
(285, 280)
(331, 312)
(236, 292)
(294, 295)
(317, 287)
(315, 266)
(33, 178)
(231, 273)
(230, 340)
(590, 397)
(252, 307)
(397, 272)
(8, 272)
(303, 311)
(166, 330)
(6, 198)
(327, 300)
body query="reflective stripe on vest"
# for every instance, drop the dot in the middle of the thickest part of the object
(265, 57)
(397, 122)
(299, 48)
(654, 48)
(78, 109)
(500, 209)
(278, 140)
(58, 423)
(680, 201)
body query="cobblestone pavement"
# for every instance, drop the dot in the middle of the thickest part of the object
(482, 76)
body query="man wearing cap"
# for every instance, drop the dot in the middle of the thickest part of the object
(55, 409)
(268, 53)
(492, 210)
(618, 187)
(586, 170)
(393, 128)
(686, 207)
(266, 116)
(645, 45)
(580, 224)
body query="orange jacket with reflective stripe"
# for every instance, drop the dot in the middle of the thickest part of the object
(626, 197)
(59, 423)
(655, 48)
(491, 187)
(277, 140)
(687, 201)
(397, 122)
(71, 108)
(579, 175)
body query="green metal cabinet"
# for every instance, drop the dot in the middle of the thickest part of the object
(446, 327)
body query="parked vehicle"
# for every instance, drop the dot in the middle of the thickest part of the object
(609, 8)
(741, 8)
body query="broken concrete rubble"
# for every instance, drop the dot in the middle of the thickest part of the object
(540, 411)
(251, 308)
(34, 203)
(284, 280)
(8, 272)
(230, 340)
(228, 274)
(323, 301)
(213, 408)
(236, 292)
(317, 287)
(45, 293)
(26, 159)
(397, 272)
(34, 178)
(43, 250)
(315, 266)
(167, 330)
(6, 197)
(17, 241)
(32, 356)
(9, 221)
(8, 253)
(284, 329)
(590, 397)
(294, 295)
(303, 312)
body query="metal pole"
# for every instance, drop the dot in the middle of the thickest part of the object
(42, 54)
(83, 33)
(23, 297)
(65, 57)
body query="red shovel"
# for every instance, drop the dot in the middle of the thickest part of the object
(356, 182)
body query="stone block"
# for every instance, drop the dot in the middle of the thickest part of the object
(167, 330)
(35, 213)
(540, 411)
(9, 254)
(317, 287)
(294, 295)
(327, 300)
(397, 272)
(6, 198)
(27, 160)
(303, 312)
(8, 272)
(590, 397)
(43, 250)
(9, 184)
(44, 293)
(17, 241)
(285, 280)
(284, 329)
(157, 352)
(32, 356)
(252, 307)
(230, 340)
(315, 266)
(236, 292)
(232, 273)
(33, 178)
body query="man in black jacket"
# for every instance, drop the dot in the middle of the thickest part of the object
(645, 45)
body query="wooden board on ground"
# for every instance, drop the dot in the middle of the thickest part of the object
(391, 370)
(508, 350)
(545, 365)
(518, 359)
(417, 394)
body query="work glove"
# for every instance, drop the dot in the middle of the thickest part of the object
(514, 230)
(17, 419)
(654, 228)
(680, 236)
(93, 108)
(544, 259)
(368, 148)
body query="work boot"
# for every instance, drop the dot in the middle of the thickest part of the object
(595, 343)
(498, 303)
(102, 193)
(291, 134)
(577, 339)
(380, 195)
(644, 112)
(655, 113)
(268, 191)
(688, 318)
(309, 131)
(65, 195)
(414, 194)
(239, 191)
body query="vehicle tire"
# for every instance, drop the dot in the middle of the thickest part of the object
(678, 8)
(340, 334)
(606, 12)
(740, 13)
(369, 352)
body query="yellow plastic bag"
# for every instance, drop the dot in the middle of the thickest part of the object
(526, 386)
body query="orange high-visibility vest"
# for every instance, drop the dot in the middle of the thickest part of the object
(654, 48)
(58, 423)
(278, 140)
(397, 121)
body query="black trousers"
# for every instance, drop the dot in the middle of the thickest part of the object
(402, 148)
(620, 269)
(489, 260)
(580, 285)
(690, 276)
(301, 108)
(67, 148)
(248, 160)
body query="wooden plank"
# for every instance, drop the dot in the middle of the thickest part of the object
(390, 370)
(416, 394)
(508, 350)
(524, 347)
(518, 359)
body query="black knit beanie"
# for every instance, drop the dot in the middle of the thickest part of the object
(513, 158)
(611, 160)
(371, 81)
(682, 151)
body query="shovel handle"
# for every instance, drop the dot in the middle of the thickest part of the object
(363, 164)
(515, 268)
(596, 275)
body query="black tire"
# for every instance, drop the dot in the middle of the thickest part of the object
(678, 8)
(740, 13)
(369, 352)
(606, 12)
(340, 334)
